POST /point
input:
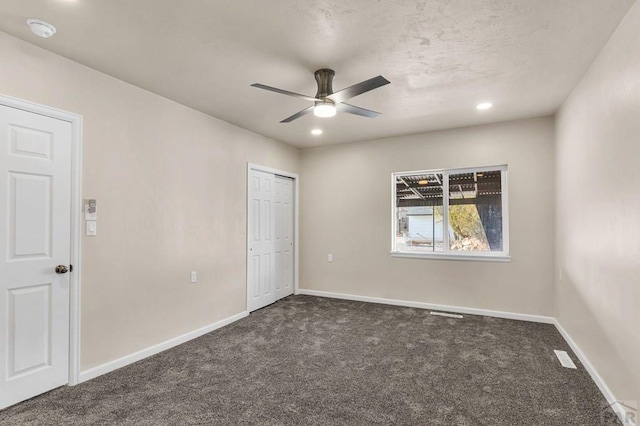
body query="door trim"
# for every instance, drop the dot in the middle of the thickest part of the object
(76, 220)
(296, 191)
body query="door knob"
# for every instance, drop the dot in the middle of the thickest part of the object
(61, 269)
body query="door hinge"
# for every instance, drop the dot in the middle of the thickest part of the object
(70, 268)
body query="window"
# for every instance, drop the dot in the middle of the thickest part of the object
(452, 214)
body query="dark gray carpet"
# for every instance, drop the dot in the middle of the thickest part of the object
(308, 360)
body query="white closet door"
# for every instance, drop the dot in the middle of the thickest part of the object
(261, 226)
(35, 220)
(284, 208)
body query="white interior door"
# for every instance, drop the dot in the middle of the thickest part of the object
(261, 228)
(283, 244)
(35, 220)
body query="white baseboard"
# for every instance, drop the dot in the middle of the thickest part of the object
(94, 372)
(432, 306)
(599, 381)
(606, 392)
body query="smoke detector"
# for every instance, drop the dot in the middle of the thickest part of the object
(41, 28)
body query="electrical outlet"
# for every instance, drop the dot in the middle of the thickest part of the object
(329, 258)
(194, 276)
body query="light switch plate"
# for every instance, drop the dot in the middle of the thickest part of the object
(194, 276)
(92, 228)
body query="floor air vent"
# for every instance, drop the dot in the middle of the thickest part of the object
(444, 314)
(565, 359)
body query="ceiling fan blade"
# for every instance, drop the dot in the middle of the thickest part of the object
(352, 109)
(285, 92)
(358, 89)
(297, 115)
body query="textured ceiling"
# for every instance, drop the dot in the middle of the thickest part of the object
(441, 56)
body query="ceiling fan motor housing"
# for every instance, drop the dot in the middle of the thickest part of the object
(324, 78)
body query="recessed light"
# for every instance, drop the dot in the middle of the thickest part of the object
(316, 132)
(484, 105)
(423, 182)
(41, 28)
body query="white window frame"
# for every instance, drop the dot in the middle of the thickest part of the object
(492, 256)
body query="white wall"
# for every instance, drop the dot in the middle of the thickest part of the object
(170, 184)
(598, 211)
(346, 211)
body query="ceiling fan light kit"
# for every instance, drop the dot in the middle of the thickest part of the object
(324, 109)
(326, 103)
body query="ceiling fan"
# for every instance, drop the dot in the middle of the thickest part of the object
(326, 102)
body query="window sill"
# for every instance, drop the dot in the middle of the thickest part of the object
(451, 256)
